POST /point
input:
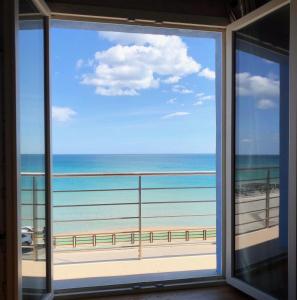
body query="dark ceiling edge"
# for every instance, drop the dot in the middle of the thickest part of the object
(58, 9)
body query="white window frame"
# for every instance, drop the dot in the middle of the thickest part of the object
(250, 18)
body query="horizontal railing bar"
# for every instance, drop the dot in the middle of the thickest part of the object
(141, 173)
(179, 188)
(256, 179)
(135, 189)
(261, 220)
(99, 190)
(127, 218)
(178, 216)
(255, 200)
(251, 211)
(179, 202)
(133, 203)
(33, 204)
(256, 168)
(91, 220)
(29, 219)
(251, 222)
(94, 205)
(31, 190)
(178, 173)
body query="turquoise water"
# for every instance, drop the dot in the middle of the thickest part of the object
(76, 191)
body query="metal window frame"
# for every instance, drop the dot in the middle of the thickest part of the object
(259, 13)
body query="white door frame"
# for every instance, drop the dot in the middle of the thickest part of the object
(237, 25)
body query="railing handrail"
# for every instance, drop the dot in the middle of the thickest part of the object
(164, 173)
(86, 174)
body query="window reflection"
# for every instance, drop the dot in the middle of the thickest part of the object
(32, 149)
(261, 151)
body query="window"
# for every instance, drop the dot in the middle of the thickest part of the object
(137, 107)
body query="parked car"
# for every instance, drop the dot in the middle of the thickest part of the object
(27, 232)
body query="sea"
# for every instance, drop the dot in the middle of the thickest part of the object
(83, 204)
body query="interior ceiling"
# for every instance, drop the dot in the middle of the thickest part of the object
(218, 12)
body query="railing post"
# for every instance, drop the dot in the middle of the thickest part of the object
(132, 238)
(139, 219)
(169, 236)
(187, 235)
(35, 223)
(151, 237)
(267, 205)
(204, 234)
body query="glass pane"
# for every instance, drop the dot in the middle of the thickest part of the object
(261, 153)
(134, 99)
(32, 149)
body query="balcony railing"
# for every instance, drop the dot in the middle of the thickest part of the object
(265, 192)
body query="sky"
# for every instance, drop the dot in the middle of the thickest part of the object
(121, 92)
(141, 92)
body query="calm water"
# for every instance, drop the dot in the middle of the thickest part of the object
(76, 191)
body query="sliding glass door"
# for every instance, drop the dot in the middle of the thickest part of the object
(258, 203)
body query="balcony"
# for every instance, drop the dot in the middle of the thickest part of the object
(144, 236)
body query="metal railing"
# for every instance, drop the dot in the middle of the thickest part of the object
(247, 191)
(140, 235)
(257, 191)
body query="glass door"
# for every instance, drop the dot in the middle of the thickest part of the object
(34, 140)
(258, 164)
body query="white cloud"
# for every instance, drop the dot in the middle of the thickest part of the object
(201, 97)
(79, 63)
(265, 104)
(207, 97)
(176, 114)
(207, 73)
(255, 85)
(172, 79)
(138, 62)
(171, 101)
(181, 89)
(62, 114)
(200, 94)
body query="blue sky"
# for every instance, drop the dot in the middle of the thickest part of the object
(119, 92)
(132, 93)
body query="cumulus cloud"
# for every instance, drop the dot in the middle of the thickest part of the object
(62, 114)
(265, 104)
(207, 73)
(171, 101)
(255, 85)
(138, 62)
(181, 89)
(176, 114)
